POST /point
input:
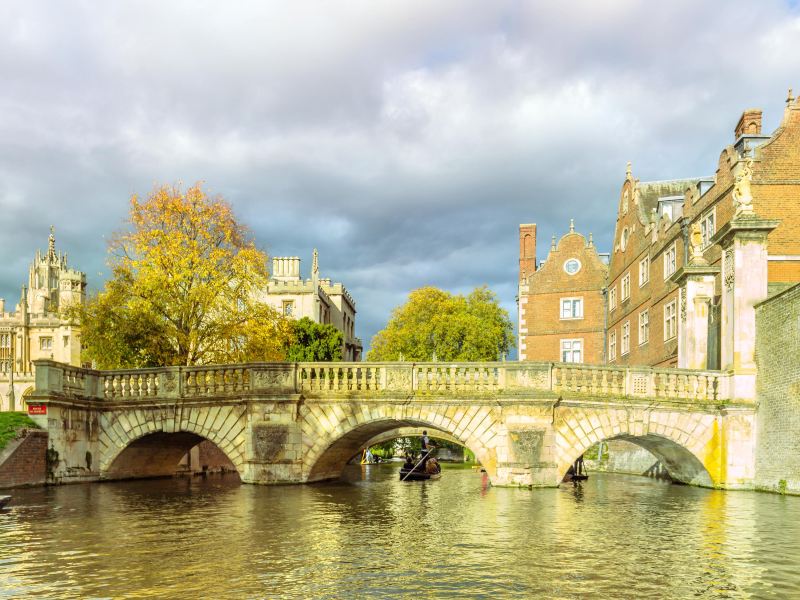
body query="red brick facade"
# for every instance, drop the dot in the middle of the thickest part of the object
(645, 233)
(24, 460)
(654, 221)
(561, 307)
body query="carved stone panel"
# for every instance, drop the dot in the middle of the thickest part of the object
(274, 379)
(526, 445)
(269, 441)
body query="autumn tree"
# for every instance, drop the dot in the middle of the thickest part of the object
(184, 289)
(435, 324)
(314, 342)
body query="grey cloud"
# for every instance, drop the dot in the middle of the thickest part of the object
(405, 140)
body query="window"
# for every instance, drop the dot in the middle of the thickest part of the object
(612, 298)
(644, 326)
(45, 343)
(623, 239)
(572, 266)
(626, 287)
(707, 227)
(571, 351)
(626, 338)
(572, 308)
(644, 271)
(5, 340)
(670, 321)
(612, 345)
(288, 308)
(66, 341)
(669, 261)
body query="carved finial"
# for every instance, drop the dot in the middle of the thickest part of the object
(572, 225)
(591, 240)
(553, 242)
(628, 172)
(789, 97)
(315, 262)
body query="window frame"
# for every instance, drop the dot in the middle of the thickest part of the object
(612, 298)
(625, 341)
(573, 302)
(287, 304)
(671, 251)
(644, 326)
(612, 345)
(644, 271)
(572, 350)
(625, 283)
(706, 236)
(46, 342)
(671, 315)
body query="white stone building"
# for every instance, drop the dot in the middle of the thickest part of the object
(35, 328)
(316, 298)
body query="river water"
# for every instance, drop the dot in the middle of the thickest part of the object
(371, 536)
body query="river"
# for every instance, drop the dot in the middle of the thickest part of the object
(370, 535)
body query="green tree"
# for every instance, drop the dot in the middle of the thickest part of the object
(184, 289)
(312, 342)
(435, 323)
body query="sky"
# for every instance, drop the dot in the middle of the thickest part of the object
(405, 140)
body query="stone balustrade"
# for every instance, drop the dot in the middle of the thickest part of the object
(364, 380)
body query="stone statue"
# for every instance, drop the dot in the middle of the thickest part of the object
(742, 196)
(696, 245)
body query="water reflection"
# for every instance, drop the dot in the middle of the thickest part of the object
(612, 536)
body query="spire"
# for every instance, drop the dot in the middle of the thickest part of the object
(315, 263)
(572, 225)
(628, 172)
(789, 97)
(553, 243)
(51, 246)
(591, 240)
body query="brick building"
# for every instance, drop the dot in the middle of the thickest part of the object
(649, 314)
(561, 307)
(686, 263)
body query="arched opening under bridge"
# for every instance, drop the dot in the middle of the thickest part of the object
(331, 458)
(449, 447)
(680, 463)
(162, 454)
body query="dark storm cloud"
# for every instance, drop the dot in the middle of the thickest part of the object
(406, 141)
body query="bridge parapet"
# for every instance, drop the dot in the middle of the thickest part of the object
(375, 380)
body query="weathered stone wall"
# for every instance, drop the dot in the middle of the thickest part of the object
(778, 385)
(23, 461)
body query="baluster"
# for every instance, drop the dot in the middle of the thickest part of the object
(702, 387)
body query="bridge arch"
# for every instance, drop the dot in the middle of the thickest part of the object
(134, 443)
(401, 432)
(687, 444)
(332, 434)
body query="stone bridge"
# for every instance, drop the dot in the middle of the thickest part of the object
(301, 422)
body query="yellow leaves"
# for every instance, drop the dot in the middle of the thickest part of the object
(188, 264)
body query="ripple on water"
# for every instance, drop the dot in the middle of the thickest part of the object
(371, 535)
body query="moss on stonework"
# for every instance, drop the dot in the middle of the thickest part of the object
(11, 423)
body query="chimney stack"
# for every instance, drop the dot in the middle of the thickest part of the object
(749, 123)
(527, 250)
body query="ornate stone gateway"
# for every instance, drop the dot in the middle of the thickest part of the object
(297, 423)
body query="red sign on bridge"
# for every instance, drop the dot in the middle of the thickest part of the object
(37, 409)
